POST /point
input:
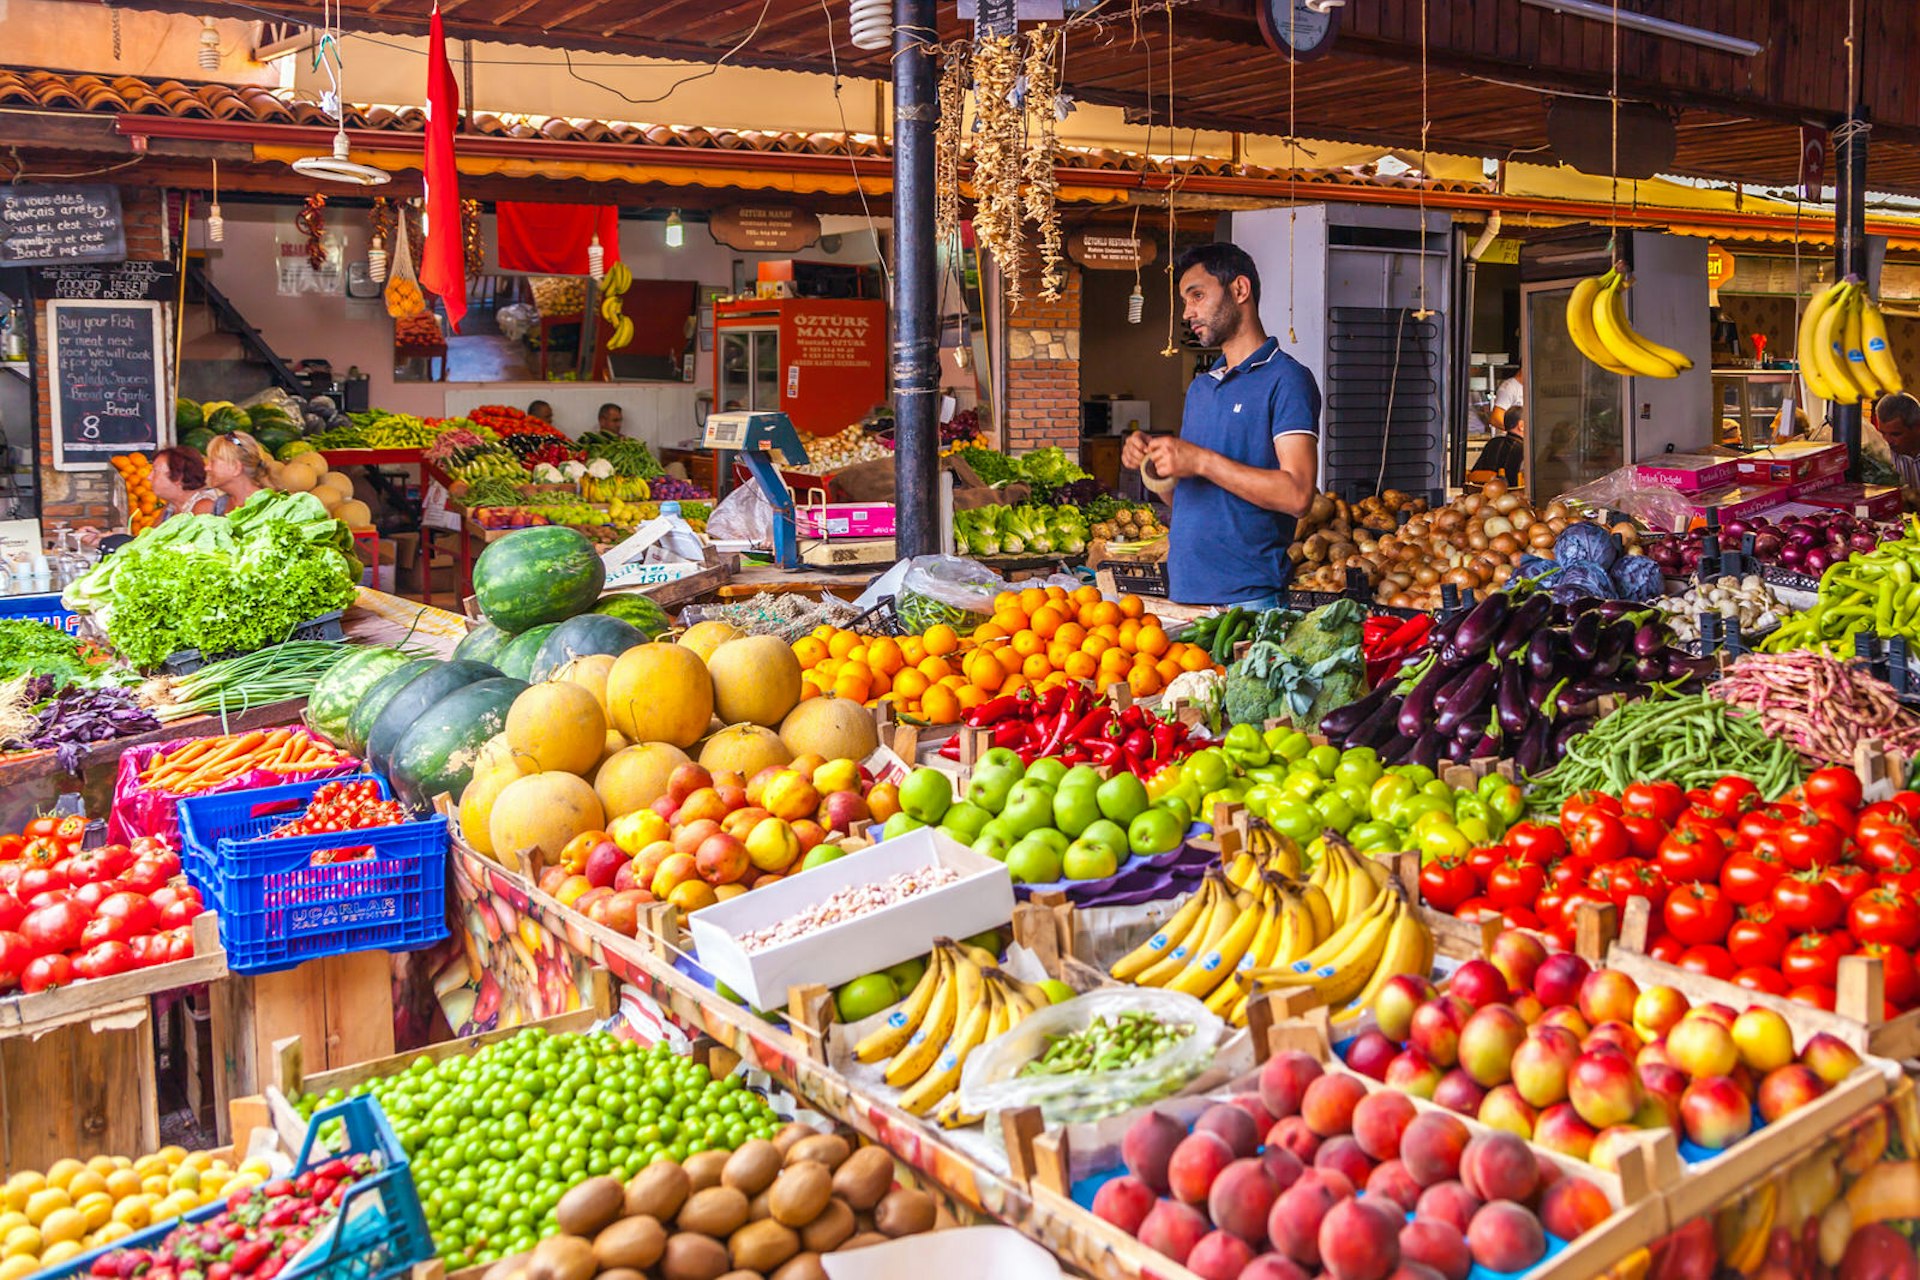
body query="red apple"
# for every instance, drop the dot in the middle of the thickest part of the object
(1787, 1089)
(1559, 977)
(1370, 1053)
(603, 863)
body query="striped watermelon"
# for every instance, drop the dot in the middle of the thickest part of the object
(339, 691)
(536, 576)
(641, 611)
(435, 756)
(482, 644)
(361, 720)
(517, 658)
(424, 692)
(578, 637)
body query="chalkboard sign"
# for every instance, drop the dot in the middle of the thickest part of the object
(107, 362)
(112, 282)
(61, 224)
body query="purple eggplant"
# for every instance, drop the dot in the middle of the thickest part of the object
(1651, 638)
(1645, 670)
(1460, 750)
(1583, 642)
(1426, 749)
(1481, 628)
(1611, 609)
(1616, 640)
(1533, 745)
(1489, 745)
(1524, 621)
(1681, 667)
(1469, 697)
(1343, 722)
(1397, 751)
(1511, 707)
(1374, 731)
(1543, 655)
(1565, 731)
(1416, 714)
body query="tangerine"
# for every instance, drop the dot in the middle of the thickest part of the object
(809, 650)
(911, 683)
(1144, 681)
(941, 705)
(1009, 658)
(884, 655)
(1132, 606)
(1048, 620)
(1081, 666)
(942, 639)
(1027, 643)
(1151, 641)
(1037, 667)
(985, 671)
(1195, 659)
(935, 668)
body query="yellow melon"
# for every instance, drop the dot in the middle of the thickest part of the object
(632, 779)
(354, 514)
(744, 748)
(560, 726)
(756, 679)
(616, 743)
(590, 673)
(660, 693)
(834, 728)
(541, 813)
(476, 805)
(706, 637)
(497, 753)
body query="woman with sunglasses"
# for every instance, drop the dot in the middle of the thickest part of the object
(238, 467)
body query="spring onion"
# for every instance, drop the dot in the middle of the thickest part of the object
(274, 674)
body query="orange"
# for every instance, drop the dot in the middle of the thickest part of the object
(1057, 654)
(988, 631)
(1128, 631)
(1151, 641)
(828, 668)
(1012, 620)
(1110, 631)
(1037, 667)
(984, 671)
(1070, 634)
(858, 654)
(1032, 598)
(1144, 681)
(971, 697)
(1006, 600)
(1132, 606)
(941, 639)
(1047, 620)
(1113, 666)
(1095, 645)
(1148, 620)
(1014, 683)
(808, 690)
(851, 687)
(955, 682)
(913, 649)
(858, 670)
(1009, 658)
(935, 668)
(809, 649)
(880, 683)
(1081, 666)
(1105, 611)
(911, 683)
(1086, 593)
(1195, 659)
(941, 705)
(1168, 668)
(884, 655)
(1027, 643)
(842, 643)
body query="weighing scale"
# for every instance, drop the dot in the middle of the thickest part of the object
(754, 435)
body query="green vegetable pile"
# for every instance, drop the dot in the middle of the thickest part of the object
(1044, 469)
(1108, 1044)
(630, 458)
(492, 491)
(222, 584)
(35, 649)
(1693, 740)
(476, 462)
(380, 430)
(1015, 531)
(1299, 668)
(1870, 592)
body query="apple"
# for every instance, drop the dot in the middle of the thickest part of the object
(1435, 1032)
(1488, 1042)
(790, 796)
(1620, 1035)
(687, 779)
(620, 911)
(1558, 979)
(883, 800)
(1370, 1053)
(1518, 955)
(689, 836)
(772, 846)
(1542, 1064)
(1565, 1015)
(1479, 983)
(731, 790)
(648, 860)
(628, 876)
(1701, 1047)
(757, 784)
(844, 811)
(810, 834)
(741, 821)
(674, 870)
(1504, 1108)
(1830, 1058)
(1715, 1113)
(603, 863)
(807, 763)
(1764, 1039)
(1561, 1129)
(1608, 995)
(837, 777)
(1411, 1073)
(721, 859)
(704, 803)
(1786, 1089)
(1656, 1010)
(1393, 1008)
(584, 900)
(1604, 1088)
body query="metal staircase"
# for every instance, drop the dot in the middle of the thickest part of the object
(227, 319)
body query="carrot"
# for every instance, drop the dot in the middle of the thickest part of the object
(240, 745)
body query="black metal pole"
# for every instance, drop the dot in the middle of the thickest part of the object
(1850, 254)
(915, 363)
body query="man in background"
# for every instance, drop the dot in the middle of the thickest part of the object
(611, 420)
(1511, 394)
(1897, 418)
(542, 410)
(1506, 454)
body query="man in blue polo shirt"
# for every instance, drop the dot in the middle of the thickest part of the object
(1243, 467)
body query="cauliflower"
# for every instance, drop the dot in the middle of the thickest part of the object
(547, 473)
(573, 470)
(600, 469)
(1206, 690)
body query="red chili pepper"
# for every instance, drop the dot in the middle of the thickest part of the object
(994, 710)
(1090, 724)
(1104, 753)
(1138, 745)
(1012, 734)
(952, 750)
(1165, 738)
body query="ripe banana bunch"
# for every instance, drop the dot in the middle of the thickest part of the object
(1597, 321)
(1842, 346)
(960, 1003)
(612, 288)
(1264, 850)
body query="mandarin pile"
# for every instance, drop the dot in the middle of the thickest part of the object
(143, 507)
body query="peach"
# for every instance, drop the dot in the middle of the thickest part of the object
(1432, 1145)
(738, 823)
(1435, 1032)
(1527, 1005)
(1715, 1113)
(1604, 1088)
(1437, 1245)
(1284, 1080)
(1764, 1039)
(1378, 1122)
(1661, 1085)
(1344, 1156)
(1410, 1073)
(1457, 1091)
(1566, 1017)
(1541, 1064)
(620, 910)
(1148, 1146)
(1499, 1166)
(1518, 956)
(1479, 983)
(1292, 1134)
(1370, 1053)
(1327, 1106)
(1241, 1198)
(1559, 977)
(1271, 1266)
(1488, 1041)
(721, 859)
(1503, 1236)
(1654, 1052)
(1393, 1007)
(1656, 1010)
(844, 811)
(674, 870)
(1503, 1108)
(1609, 1145)
(1830, 1058)
(704, 803)
(1282, 1165)
(1359, 1241)
(1220, 1255)
(1786, 1089)
(1449, 1203)
(1560, 1128)
(1700, 1046)
(1124, 1201)
(688, 836)
(1173, 1229)
(1392, 1181)
(1724, 1014)
(1414, 1271)
(1251, 1104)
(1232, 1126)
(687, 779)
(1294, 1224)
(1573, 1206)
(1607, 995)
(790, 796)
(1196, 1162)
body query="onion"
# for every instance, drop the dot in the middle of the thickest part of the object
(1540, 535)
(1861, 541)
(1506, 543)
(1736, 528)
(1504, 574)
(1521, 518)
(1496, 525)
(1448, 521)
(1477, 540)
(1462, 578)
(1506, 502)
(1556, 510)
(1767, 545)
(1399, 600)
(1472, 503)
(1819, 559)
(1558, 524)
(1426, 575)
(1494, 488)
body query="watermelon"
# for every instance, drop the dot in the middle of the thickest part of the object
(517, 658)
(539, 575)
(435, 756)
(482, 644)
(187, 417)
(379, 693)
(423, 692)
(228, 418)
(265, 415)
(578, 637)
(641, 611)
(198, 439)
(274, 438)
(339, 691)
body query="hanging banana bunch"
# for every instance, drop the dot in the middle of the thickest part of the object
(612, 289)
(1842, 346)
(1597, 320)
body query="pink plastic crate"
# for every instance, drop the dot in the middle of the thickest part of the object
(846, 520)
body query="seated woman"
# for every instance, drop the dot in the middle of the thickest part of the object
(238, 467)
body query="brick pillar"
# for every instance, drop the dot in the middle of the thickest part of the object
(1043, 371)
(86, 497)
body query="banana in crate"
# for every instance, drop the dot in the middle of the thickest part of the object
(1842, 346)
(1597, 322)
(1342, 932)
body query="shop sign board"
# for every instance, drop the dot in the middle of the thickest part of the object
(764, 228)
(40, 225)
(1111, 250)
(144, 281)
(107, 370)
(1720, 267)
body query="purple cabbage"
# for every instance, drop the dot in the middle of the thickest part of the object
(1586, 544)
(1580, 579)
(1636, 578)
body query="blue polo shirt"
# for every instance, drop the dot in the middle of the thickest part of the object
(1223, 548)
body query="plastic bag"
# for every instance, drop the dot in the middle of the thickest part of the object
(947, 589)
(992, 1081)
(1621, 490)
(140, 810)
(744, 515)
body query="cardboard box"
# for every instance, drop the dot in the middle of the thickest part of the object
(1738, 501)
(1861, 501)
(1791, 462)
(982, 899)
(845, 520)
(1686, 472)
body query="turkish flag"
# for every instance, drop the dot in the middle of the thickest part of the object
(443, 262)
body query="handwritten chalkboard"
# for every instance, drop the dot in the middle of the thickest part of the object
(108, 370)
(61, 224)
(110, 282)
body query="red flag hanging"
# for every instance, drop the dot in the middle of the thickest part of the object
(443, 262)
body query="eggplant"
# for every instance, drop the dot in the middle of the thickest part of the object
(1511, 706)
(1583, 642)
(1442, 631)
(1481, 628)
(1374, 731)
(1489, 745)
(1543, 654)
(1418, 704)
(1397, 751)
(1426, 750)
(1342, 723)
(1460, 750)
(1580, 606)
(1645, 670)
(1611, 609)
(1469, 697)
(1533, 745)
(1528, 618)
(1616, 641)
(1565, 731)
(1681, 667)
(1581, 692)
(1651, 638)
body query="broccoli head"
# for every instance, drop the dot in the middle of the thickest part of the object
(1249, 698)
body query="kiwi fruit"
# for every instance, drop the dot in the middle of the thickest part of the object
(751, 1169)
(691, 1256)
(562, 1258)
(864, 1177)
(830, 1230)
(760, 1206)
(621, 1273)
(762, 1246)
(793, 1133)
(590, 1206)
(904, 1212)
(703, 1168)
(658, 1191)
(801, 1266)
(861, 1241)
(635, 1243)
(828, 1149)
(800, 1193)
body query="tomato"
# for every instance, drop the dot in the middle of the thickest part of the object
(1476, 909)
(1733, 796)
(1819, 995)
(1850, 878)
(1702, 817)
(1580, 803)
(147, 875)
(1632, 878)
(42, 827)
(135, 908)
(1810, 841)
(1569, 872)
(16, 953)
(1909, 804)
(1887, 845)
(1663, 800)
(1833, 785)
(105, 929)
(1757, 939)
(1571, 906)
(35, 881)
(1899, 979)
(1885, 916)
(179, 944)
(48, 899)
(1515, 883)
(1755, 824)
(1815, 957)
(148, 846)
(1549, 904)
(1445, 883)
(1691, 855)
(1698, 914)
(1483, 860)
(55, 928)
(1748, 877)
(1882, 815)
(11, 848)
(1667, 949)
(1804, 902)
(12, 912)
(1709, 959)
(1644, 833)
(92, 895)
(104, 960)
(1600, 836)
(43, 852)
(182, 911)
(1767, 980)
(46, 972)
(1536, 842)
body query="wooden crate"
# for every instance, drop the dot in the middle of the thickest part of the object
(79, 1084)
(23, 1014)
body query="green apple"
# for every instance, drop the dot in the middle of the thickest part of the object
(1074, 809)
(1155, 831)
(925, 795)
(1178, 807)
(1034, 861)
(1086, 860)
(1005, 758)
(993, 844)
(990, 941)
(1053, 839)
(1123, 797)
(820, 855)
(899, 824)
(989, 786)
(1058, 991)
(1029, 807)
(1048, 769)
(907, 974)
(1109, 835)
(1081, 775)
(964, 820)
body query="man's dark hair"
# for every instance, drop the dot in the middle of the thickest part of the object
(609, 405)
(535, 406)
(1515, 420)
(1898, 407)
(1224, 262)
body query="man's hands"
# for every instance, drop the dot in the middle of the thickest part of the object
(1134, 451)
(1172, 457)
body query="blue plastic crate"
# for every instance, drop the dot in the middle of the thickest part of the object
(379, 1233)
(278, 906)
(40, 608)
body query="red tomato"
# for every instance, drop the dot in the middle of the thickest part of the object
(1757, 940)
(1815, 958)
(1483, 860)
(42, 827)
(1600, 836)
(1700, 817)
(1632, 878)
(1570, 906)
(1733, 796)
(1804, 902)
(105, 929)
(1515, 883)
(1667, 949)
(179, 944)
(50, 898)
(11, 847)
(148, 874)
(1476, 909)
(135, 908)
(16, 953)
(1691, 855)
(148, 846)
(37, 880)
(46, 972)
(1445, 883)
(1909, 803)
(1569, 872)
(1536, 842)
(1577, 805)
(1887, 846)
(1664, 800)
(1644, 833)
(55, 928)
(1887, 917)
(1850, 878)
(1810, 841)
(1816, 994)
(1900, 980)
(1519, 918)
(1709, 959)
(1549, 905)
(1833, 785)
(92, 894)
(181, 911)
(1748, 877)
(1766, 980)
(104, 960)
(1882, 815)
(1698, 914)
(1756, 824)
(12, 912)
